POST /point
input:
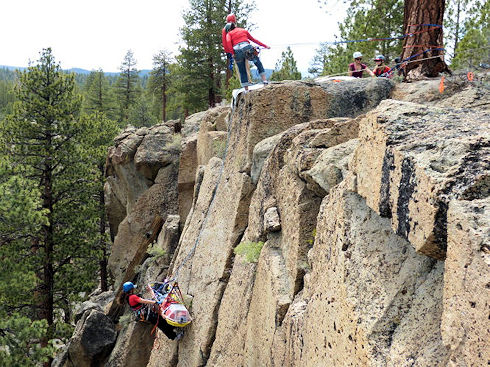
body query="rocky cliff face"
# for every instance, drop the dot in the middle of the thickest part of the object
(373, 216)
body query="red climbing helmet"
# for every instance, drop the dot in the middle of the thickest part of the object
(231, 18)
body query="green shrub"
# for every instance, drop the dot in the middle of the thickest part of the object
(251, 250)
(156, 251)
(219, 148)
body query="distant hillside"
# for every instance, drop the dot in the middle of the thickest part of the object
(255, 73)
(81, 71)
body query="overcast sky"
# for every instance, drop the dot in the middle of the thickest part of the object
(97, 33)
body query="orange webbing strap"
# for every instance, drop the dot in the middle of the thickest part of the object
(158, 320)
(156, 343)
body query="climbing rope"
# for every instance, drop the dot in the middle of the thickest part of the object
(390, 71)
(410, 34)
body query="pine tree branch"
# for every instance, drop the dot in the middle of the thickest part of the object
(61, 264)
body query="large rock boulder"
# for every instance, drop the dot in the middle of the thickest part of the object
(187, 175)
(365, 283)
(268, 111)
(355, 96)
(466, 283)
(204, 136)
(133, 347)
(220, 214)
(151, 156)
(211, 139)
(330, 168)
(91, 343)
(141, 227)
(132, 166)
(282, 195)
(412, 159)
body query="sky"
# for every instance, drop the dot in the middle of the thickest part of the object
(97, 34)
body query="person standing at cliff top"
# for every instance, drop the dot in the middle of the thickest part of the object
(230, 19)
(357, 67)
(237, 40)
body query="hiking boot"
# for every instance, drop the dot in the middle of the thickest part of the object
(265, 82)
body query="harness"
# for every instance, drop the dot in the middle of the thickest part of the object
(249, 51)
(140, 311)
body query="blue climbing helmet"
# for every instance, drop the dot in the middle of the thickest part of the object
(128, 286)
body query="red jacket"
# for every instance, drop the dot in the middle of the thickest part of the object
(237, 36)
(379, 71)
(135, 302)
(225, 45)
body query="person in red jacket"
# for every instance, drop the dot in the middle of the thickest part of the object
(230, 19)
(145, 311)
(381, 69)
(237, 40)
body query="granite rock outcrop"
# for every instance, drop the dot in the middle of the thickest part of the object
(370, 216)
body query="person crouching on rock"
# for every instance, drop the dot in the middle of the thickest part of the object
(237, 40)
(146, 310)
(357, 67)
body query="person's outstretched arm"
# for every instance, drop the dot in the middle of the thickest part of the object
(370, 72)
(249, 36)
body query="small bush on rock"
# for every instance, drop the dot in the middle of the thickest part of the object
(251, 250)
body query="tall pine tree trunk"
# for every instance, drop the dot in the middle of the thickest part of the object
(102, 230)
(210, 65)
(164, 101)
(211, 92)
(456, 32)
(419, 15)
(46, 291)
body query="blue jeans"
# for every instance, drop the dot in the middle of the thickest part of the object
(241, 60)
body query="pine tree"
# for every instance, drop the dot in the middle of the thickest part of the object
(365, 19)
(426, 43)
(202, 59)
(98, 95)
(128, 87)
(100, 132)
(141, 114)
(43, 140)
(473, 47)
(286, 68)
(158, 83)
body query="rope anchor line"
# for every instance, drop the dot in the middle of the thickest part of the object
(406, 35)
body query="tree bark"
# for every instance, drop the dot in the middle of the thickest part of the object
(164, 101)
(456, 32)
(46, 287)
(102, 230)
(419, 16)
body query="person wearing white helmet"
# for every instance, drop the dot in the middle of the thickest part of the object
(357, 68)
(381, 69)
